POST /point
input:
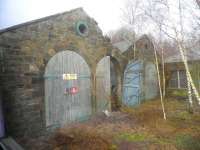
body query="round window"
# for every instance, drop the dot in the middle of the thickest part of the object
(82, 28)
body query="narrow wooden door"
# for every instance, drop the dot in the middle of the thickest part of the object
(103, 84)
(132, 84)
(67, 89)
(151, 81)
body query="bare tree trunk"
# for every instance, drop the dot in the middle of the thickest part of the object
(189, 89)
(163, 72)
(189, 95)
(159, 83)
(134, 49)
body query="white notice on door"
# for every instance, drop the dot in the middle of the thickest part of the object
(69, 76)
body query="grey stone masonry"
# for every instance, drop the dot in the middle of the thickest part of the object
(24, 52)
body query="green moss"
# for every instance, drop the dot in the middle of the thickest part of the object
(178, 92)
(113, 147)
(132, 137)
(184, 115)
(162, 141)
(187, 142)
(141, 137)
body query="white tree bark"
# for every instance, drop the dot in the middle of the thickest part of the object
(189, 89)
(163, 72)
(194, 89)
(159, 83)
(184, 58)
(189, 93)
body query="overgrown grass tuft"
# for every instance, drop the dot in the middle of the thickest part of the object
(187, 142)
(132, 137)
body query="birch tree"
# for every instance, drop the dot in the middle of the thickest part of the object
(183, 51)
(159, 84)
(134, 17)
(177, 31)
(189, 89)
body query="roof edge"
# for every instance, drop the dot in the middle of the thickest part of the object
(38, 20)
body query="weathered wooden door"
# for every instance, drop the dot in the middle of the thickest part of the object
(67, 89)
(103, 84)
(151, 81)
(132, 84)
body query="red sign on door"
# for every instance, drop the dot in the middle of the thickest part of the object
(72, 90)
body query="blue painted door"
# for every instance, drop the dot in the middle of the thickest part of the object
(132, 84)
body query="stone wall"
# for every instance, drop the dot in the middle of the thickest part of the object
(144, 50)
(27, 48)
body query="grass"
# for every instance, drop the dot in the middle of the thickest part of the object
(141, 128)
(131, 137)
(187, 142)
(178, 92)
(180, 123)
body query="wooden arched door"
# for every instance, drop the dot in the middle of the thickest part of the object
(151, 81)
(132, 84)
(67, 89)
(103, 84)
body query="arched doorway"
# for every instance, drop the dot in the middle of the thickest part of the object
(115, 84)
(103, 84)
(108, 84)
(67, 89)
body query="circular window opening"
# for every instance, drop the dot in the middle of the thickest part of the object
(82, 28)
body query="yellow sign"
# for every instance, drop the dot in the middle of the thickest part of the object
(69, 76)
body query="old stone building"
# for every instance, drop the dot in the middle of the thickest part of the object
(140, 76)
(26, 50)
(60, 69)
